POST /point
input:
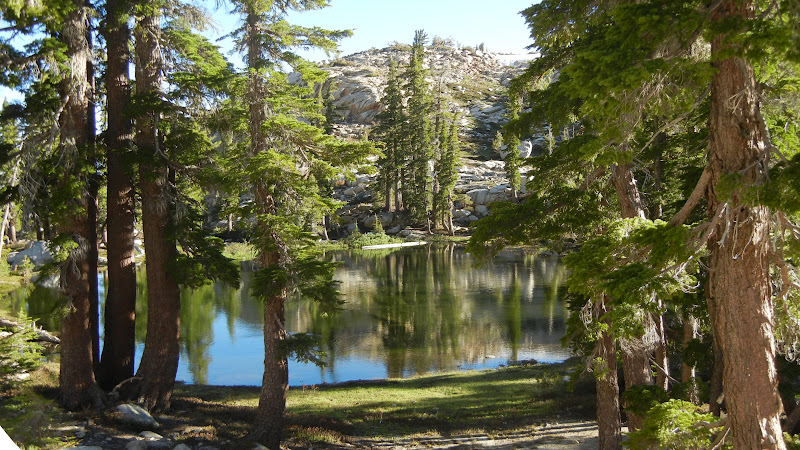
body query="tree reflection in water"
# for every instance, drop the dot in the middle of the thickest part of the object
(407, 311)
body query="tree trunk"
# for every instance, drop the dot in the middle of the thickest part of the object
(12, 229)
(689, 371)
(662, 356)
(268, 426)
(159, 362)
(635, 355)
(92, 210)
(119, 345)
(609, 423)
(739, 290)
(78, 386)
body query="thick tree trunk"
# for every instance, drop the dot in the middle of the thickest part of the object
(268, 425)
(635, 355)
(78, 386)
(609, 422)
(739, 290)
(92, 213)
(119, 345)
(159, 362)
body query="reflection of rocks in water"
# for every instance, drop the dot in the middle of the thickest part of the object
(406, 311)
(435, 311)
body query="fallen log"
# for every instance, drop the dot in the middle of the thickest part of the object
(402, 244)
(41, 335)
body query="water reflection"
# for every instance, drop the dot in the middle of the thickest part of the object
(407, 312)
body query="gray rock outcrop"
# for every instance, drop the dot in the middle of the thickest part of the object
(37, 252)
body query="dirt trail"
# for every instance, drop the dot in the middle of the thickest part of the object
(569, 435)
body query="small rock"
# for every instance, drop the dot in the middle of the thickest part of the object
(80, 434)
(149, 435)
(136, 416)
(394, 230)
(259, 447)
(182, 447)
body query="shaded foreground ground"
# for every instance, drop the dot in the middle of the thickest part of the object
(523, 406)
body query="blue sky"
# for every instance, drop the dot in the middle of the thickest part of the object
(376, 23)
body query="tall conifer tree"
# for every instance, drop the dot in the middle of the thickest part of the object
(417, 181)
(120, 305)
(620, 65)
(283, 159)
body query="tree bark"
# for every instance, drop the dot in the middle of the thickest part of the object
(609, 422)
(78, 386)
(739, 290)
(635, 356)
(268, 425)
(689, 371)
(159, 362)
(119, 344)
(92, 212)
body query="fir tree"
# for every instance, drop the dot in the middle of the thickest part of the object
(417, 180)
(390, 130)
(614, 78)
(282, 159)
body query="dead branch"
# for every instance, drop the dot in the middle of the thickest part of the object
(697, 194)
(42, 335)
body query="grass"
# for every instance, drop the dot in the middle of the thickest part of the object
(30, 414)
(241, 251)
(495, 402)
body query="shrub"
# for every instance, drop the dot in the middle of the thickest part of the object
(675, 424)
(19, 353)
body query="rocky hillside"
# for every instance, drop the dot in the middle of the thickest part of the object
(475, 82)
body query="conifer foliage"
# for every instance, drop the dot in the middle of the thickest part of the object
(641, 90)
(418, 169)
(280, 162)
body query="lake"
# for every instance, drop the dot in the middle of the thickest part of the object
(406, 312)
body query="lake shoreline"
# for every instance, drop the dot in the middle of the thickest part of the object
(549, 405)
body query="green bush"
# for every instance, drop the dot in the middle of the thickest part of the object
(25, 268)
(19, 353)
(358, 240)
(378, 226)
(675, 424)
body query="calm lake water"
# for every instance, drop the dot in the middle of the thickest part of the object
(406, 312)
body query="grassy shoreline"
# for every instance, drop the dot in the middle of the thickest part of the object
(493, 402)
(496, 403)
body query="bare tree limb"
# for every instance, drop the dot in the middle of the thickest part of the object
(697, 194)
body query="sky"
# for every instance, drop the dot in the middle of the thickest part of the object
(378, 23)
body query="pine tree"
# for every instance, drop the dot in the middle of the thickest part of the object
(159, 362)
(620, 66)
(282, 158)
(417, 180)
(120, 305)
(390, 130)
(445, 171)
